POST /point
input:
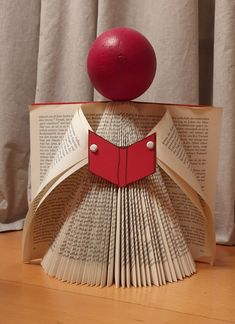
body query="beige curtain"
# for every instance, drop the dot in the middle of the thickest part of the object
(43, 58)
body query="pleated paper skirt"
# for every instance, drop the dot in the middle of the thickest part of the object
(127, 236)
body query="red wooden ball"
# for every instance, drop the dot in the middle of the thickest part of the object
(121, 64)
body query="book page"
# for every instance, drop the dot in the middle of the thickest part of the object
(48, 126)
(194, 216)
(171, 151)
(184, 172)
(72, 149)
(199, 131)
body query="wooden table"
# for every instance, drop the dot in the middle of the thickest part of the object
(28, 295)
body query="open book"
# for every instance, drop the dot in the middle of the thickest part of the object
(84, 229)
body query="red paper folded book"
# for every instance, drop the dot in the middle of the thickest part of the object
(121, 165)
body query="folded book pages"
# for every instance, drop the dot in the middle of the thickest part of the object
(137, 213)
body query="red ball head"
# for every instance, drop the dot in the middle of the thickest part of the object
(121, 64)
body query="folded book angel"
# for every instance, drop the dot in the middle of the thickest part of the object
(108, 208)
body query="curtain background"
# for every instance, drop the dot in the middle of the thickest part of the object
(43, 49)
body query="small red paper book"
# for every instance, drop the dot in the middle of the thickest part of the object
(121, 165)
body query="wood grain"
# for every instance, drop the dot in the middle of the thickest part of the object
(28, 295)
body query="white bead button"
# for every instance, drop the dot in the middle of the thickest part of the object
(150, 145)
(93, 148)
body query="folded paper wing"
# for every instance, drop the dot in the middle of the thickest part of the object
(121, 165)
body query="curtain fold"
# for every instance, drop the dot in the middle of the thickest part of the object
(67, 30)
(18, 65)
(44, 45)
(224, 96)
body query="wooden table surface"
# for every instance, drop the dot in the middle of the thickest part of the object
(28, 295)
